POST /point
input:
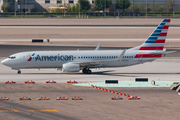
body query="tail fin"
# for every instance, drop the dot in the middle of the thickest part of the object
(157, 39)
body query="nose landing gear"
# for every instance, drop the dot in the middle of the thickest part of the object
(19, 71)
(86, 71)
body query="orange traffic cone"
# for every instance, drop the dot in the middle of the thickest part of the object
(116, 92)
(124, 94)
(120, 93)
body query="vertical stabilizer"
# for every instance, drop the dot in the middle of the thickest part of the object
(157, 39)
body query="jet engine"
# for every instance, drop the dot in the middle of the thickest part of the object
(70, 67)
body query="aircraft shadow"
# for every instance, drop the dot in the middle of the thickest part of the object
(104, 73)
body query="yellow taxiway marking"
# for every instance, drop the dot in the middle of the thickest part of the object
(9, 111)
(44, 110)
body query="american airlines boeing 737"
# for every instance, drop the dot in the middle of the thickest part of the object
(74, 61)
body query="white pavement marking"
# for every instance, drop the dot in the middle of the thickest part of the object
(87, 27)
(51, 40)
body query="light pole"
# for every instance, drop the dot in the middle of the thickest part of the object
(25, 8)
(133, 7)
(63, 8)
(153, 8)
(173, 6)
(105, 8)
(146, 8)
(15, 8)
(79, 8)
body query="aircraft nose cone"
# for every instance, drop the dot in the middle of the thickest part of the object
(4, 62)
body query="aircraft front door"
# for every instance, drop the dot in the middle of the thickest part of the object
(26, 57)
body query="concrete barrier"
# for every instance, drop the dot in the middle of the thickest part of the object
(37, 40)
(141, 79)
(174, 86)
(178, 89)
(111, 81)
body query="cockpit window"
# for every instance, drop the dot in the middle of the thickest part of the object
(12, 57)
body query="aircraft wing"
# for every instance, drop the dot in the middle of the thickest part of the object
(93, 63)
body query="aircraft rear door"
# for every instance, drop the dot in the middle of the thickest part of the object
(140, 57)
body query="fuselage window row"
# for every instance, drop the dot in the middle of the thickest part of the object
(94, 57)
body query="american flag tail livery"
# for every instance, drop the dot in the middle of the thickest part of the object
(155, 41)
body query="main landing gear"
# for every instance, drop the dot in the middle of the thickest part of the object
(19, 71)
(86, 71)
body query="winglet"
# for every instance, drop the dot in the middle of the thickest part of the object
(121, 55)
(98, 47)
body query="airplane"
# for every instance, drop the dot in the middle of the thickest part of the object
(74, 61)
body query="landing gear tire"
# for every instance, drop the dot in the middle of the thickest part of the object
(19, 72)
(89, 72)
(86, 71)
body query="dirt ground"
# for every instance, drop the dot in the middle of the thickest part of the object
(155, 103)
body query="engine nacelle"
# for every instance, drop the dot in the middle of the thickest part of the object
(70, 67)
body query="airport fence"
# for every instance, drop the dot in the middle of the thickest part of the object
(88, 15)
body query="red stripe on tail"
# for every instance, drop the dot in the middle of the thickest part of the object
(162, 34)
(165, 27)
(151, 48)
(160, 41)
(168, 20)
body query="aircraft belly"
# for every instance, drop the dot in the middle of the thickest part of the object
(121, 63)
(42, 64)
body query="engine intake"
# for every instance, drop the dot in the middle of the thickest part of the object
(70, 67)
